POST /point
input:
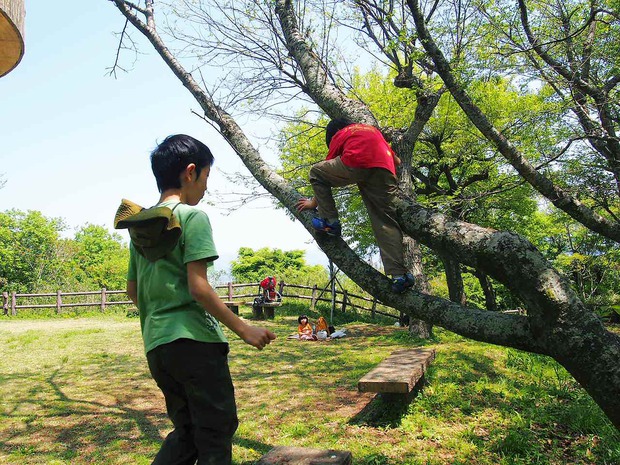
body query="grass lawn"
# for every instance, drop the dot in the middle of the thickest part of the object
(78, 391)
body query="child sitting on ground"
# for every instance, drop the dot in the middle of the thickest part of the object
(304, 330)
(321, 325)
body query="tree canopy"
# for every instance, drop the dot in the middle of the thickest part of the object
(552, 58)
(290, 266)
(35, 257)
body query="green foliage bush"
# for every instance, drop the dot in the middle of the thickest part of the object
(288, 266)
(448, 154)
(30, 250)
(36, 258)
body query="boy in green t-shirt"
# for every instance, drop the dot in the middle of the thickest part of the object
(167, 280)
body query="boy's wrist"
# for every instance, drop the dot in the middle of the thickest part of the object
(241, 329)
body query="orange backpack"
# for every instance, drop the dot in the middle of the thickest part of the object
(321, 325)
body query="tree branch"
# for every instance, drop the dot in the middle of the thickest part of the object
(561, 199)
(557, 323)
(320, 87)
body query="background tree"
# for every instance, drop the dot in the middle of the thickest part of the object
(35, 258)
(589, 261)
(579, 31)
(288, 48)
(284, 265)
(28, 250)
(100, 258)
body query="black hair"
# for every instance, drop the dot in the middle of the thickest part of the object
(334, 126)
(172, 156)
(301, 317)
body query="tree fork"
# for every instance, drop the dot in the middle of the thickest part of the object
(557, 323)
(560, 198)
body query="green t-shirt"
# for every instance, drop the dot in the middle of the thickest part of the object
(167, 309)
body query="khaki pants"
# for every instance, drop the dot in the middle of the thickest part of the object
(378, 188)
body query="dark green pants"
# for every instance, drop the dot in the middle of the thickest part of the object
(200, 401)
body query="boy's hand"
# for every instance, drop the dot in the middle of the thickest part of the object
(306, 204)
(257, 337)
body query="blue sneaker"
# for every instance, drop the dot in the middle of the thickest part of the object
(331, 229)
(401, 283)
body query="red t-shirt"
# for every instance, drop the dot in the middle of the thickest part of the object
(269, 284)
(362, 146)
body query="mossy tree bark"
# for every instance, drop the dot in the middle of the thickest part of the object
(557, 323)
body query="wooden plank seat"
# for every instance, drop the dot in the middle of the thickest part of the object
(398, 373)
(305, 456)
(233, 306)
(266, 309)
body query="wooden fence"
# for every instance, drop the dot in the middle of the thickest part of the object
(10, 306)
(229, 292)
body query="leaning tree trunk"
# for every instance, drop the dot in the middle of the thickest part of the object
(557, 323)
(413, 260)
(490, 300)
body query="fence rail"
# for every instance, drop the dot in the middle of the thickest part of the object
(10, 306)
(228, 292)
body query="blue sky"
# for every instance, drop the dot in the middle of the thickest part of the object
(74, 141)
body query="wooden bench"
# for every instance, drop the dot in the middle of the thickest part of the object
(305, 456)
(259, 312)
(399, 373)
(233, 306)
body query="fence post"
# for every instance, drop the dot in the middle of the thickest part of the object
(5, 303)
(13, 303)
(313, 298)
(58, 302)
(230, 291)
(374, 308)
(281, 288)
(103, 299)
(344, 300)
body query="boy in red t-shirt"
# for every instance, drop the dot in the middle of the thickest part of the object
(268, 286)
(358, 154)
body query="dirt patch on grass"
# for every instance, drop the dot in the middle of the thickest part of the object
(366, 330)
(347, 403)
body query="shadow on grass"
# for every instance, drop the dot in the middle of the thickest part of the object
(469, 383)
(63, 417)
(455, 377)
(387, 410)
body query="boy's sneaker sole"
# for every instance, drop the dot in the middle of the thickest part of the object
(320, 225)
(402, 283)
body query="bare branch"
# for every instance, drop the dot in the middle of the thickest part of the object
(121, 46)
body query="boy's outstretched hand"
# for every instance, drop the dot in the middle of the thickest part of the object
(257, 337)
